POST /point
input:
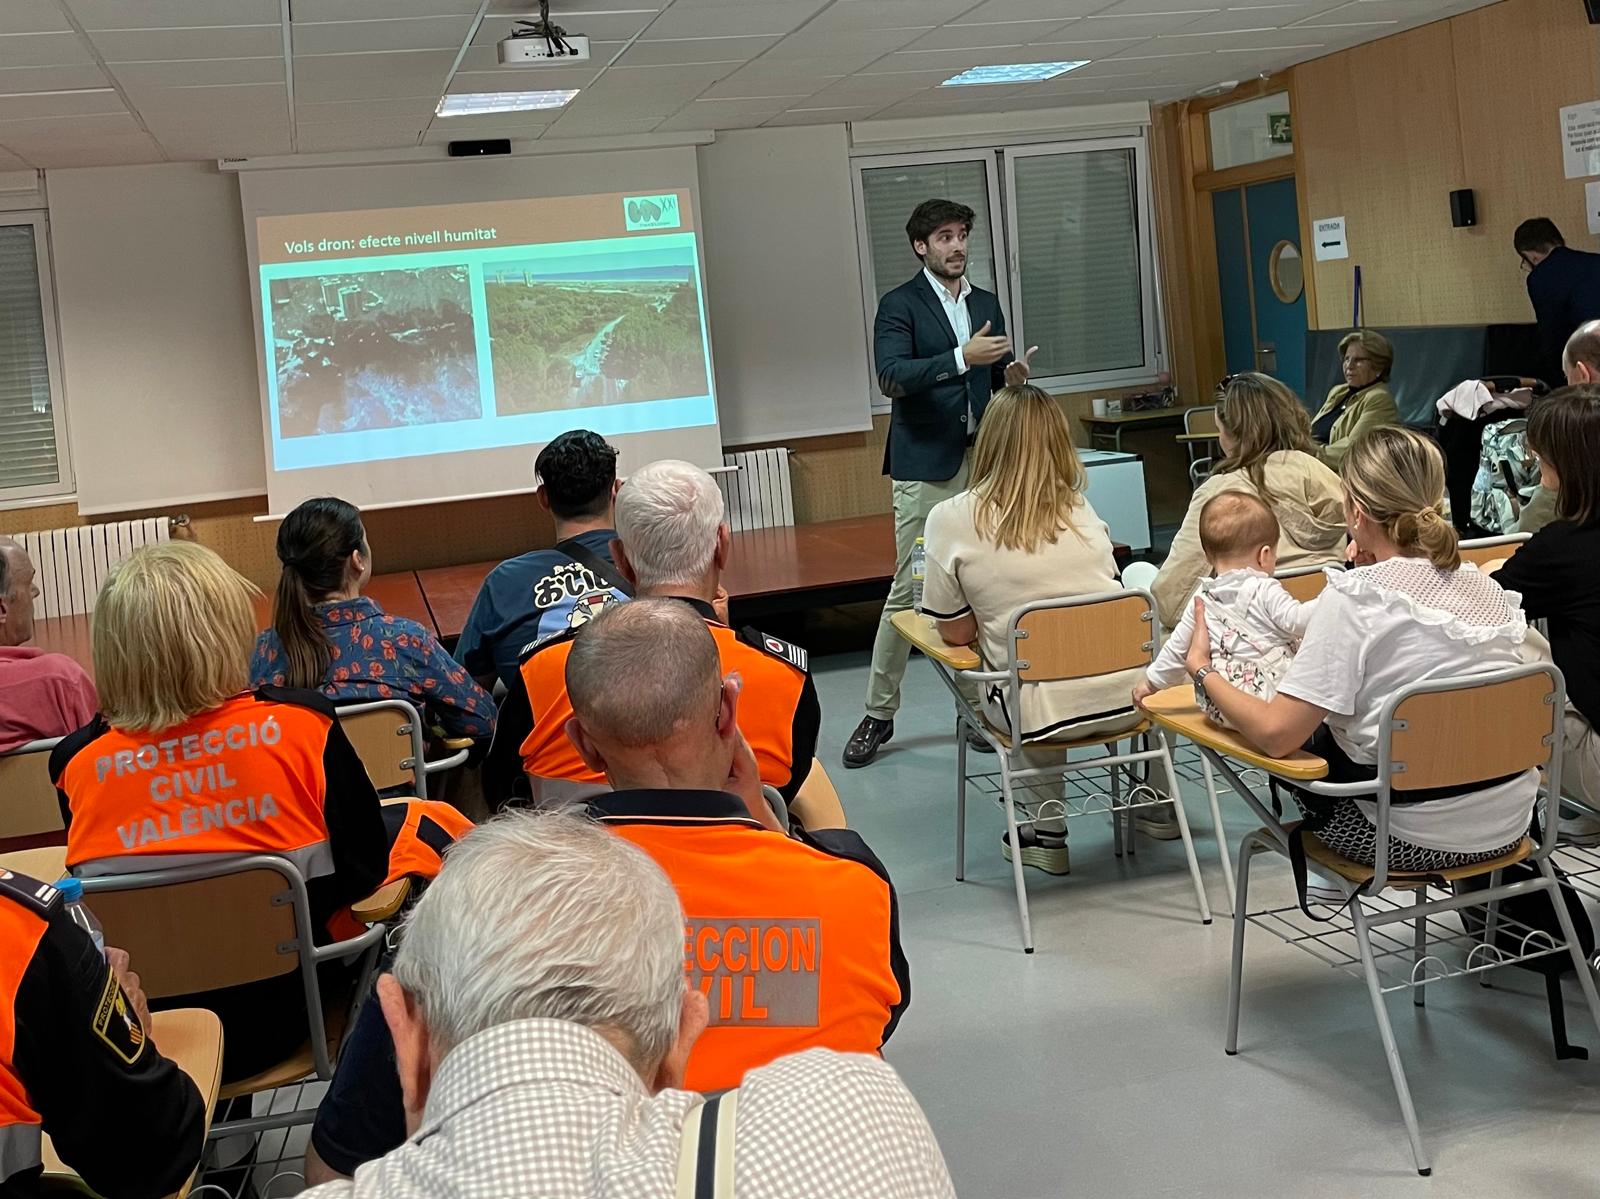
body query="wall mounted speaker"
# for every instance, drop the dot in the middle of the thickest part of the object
(1463, 207)
(490, 145)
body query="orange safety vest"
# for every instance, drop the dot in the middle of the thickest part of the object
(21, 930)
(420, 830)
(794, 945)
(775, 712)
(245, 777)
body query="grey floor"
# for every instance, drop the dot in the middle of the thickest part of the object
(1095, 1065)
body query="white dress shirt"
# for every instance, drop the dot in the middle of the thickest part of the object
(955, 311)
(551, 1109)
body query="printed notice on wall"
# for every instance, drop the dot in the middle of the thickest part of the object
(1580, 139)
(1328, 240)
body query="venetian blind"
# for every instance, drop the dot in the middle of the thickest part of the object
(27, 421)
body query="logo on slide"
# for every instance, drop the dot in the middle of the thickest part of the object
(651, 212)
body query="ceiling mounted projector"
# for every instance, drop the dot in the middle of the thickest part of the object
(533, 43)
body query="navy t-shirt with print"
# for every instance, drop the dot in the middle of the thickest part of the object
(528, 598)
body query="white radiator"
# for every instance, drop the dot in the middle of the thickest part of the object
(757, 493)
(70, 564)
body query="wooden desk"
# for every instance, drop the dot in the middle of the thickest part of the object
(399, 593)
(924, 635)
(191, 1037)
(1175, 710)
(46, 863)
(1106, 431)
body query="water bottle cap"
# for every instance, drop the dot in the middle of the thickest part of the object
(71, 889)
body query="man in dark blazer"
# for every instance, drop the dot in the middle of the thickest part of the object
(1563, 286)
(941, 348)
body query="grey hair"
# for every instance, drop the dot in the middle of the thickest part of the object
(541, 915)
(667, 518)
(640, 671)
(7, 548)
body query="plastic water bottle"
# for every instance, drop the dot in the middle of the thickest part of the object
(72, 891)
(919, 572)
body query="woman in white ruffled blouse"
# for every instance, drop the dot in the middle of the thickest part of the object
(1409, 611)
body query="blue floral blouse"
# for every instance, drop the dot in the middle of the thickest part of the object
(379, 656)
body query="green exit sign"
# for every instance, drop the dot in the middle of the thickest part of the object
(1278, 128)
(651, 212)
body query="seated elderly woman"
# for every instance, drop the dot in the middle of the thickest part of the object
(1410, 611)
(1361, 402)
(1024, 531)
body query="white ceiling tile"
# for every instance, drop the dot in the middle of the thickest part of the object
(1245, 39)
(1036, 10)
(888, 14)
(50, 79)
(315, 139)
(10, 162)
(361, 37)
(953, 62)
(191, 147)
(61, 104)
(867, 89)
(1101, 28)
(44, 50)
(823, 69)
(328, 91)
(499, 124)
(52, 153)
(162, 45)
(1008, 33)
(734, 118)
(546, 80)
(597, 27)
(1363, 11)
(374, 10)
(1231, 20)
(827, 44)
(322, 68)
(601, 125)
(201, 72)
(744, 86)
(417, 108)
(203, 103)
(649, 52)
(1134, 8)
(32, 16)
(733, 18)
(825, 116)
(100, 126)
(678, 75)
(174, 14)
(568, 8)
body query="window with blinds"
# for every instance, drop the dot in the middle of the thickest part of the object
(1069, 251)
(1077, 240)
(29, 432)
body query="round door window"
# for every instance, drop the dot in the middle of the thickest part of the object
(1287, 271)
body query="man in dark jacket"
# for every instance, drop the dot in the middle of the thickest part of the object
(1564, 286)
(941, 348)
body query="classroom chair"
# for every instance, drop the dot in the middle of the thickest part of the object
(1481, 551)
(30, 810)
(388, 738)
(1435, 733)
(229, 921)
(1072, 638)
(1199, 431)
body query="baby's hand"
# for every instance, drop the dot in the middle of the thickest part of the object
(1141, 691)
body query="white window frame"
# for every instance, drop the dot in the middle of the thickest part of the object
(1150, 369)
(65, 485)
(1000, 163)
(869, 292)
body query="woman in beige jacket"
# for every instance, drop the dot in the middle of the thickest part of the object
(1265, 436)
(1361, 402)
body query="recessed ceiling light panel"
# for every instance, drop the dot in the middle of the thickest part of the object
(1017, 72)
(477, 104)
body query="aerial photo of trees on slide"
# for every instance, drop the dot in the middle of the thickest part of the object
(373, 350)
(597, 329)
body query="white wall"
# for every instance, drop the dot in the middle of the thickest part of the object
(784, 284)
(157, 346)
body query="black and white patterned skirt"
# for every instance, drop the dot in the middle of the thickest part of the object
(1350, 834)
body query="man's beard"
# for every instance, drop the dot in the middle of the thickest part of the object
(945, 271)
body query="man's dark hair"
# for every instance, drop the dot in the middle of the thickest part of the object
(577, 471)
(930, 214)
(1564, 430)
(1539, 234)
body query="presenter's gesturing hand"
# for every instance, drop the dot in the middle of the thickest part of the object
(1017, 370)
(983, 350)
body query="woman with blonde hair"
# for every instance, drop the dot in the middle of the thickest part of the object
(1411, 611)
(1023, 531)
(1267, 450)
(185, 760)
(1363, 401)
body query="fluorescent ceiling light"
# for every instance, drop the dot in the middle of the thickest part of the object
(475, 104)
(1017, 72)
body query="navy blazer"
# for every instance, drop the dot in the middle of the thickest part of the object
(1565, 290)
(914, 348)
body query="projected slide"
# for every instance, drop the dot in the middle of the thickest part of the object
(399, 332)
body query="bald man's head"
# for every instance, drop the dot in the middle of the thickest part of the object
(1581, 359)
(644, 674)
(16, 594)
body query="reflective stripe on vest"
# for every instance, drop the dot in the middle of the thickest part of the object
(21, 1148)
(246, 777)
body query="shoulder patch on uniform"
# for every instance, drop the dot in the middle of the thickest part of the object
(39, 898)
(777, 647)
(539, 643)
(115, 1022)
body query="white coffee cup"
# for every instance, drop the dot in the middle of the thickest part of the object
(1099, 403)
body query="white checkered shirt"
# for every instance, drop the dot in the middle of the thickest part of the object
(550, 1109)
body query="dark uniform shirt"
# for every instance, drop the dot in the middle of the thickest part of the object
(75, 1062)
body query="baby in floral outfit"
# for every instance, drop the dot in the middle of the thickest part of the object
(1253, 623)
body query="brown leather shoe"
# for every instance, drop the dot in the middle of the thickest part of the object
(864, 742)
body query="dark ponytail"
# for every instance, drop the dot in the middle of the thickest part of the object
(314, 543)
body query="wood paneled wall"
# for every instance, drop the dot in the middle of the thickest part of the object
(1388, 129)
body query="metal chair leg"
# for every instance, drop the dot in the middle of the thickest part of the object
(1491, 927)
(1419, 994)
(961, 798)
(1116, 816)
(1240, 907)
(1216, 823)
(1391, 1051)
(1183, 829)
(1130, 838)
(1564, 918)
(1016, 852)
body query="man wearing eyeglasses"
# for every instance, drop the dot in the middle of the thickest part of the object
(1564, 286)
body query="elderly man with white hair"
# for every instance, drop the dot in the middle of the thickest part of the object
(672, 542)
(41, 694)
(538, 1052)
